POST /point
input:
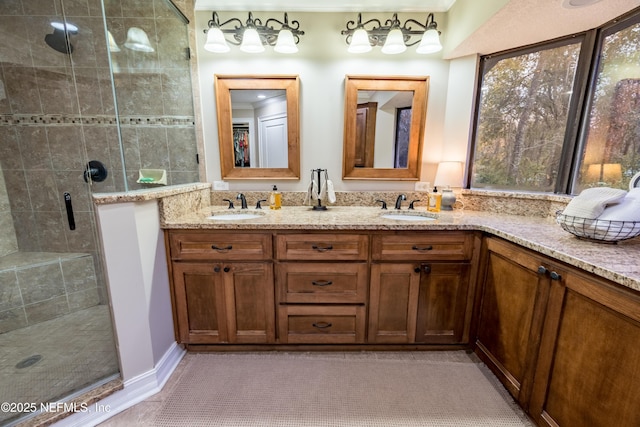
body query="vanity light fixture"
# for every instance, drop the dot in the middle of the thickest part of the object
(393, 36)
(253, 36)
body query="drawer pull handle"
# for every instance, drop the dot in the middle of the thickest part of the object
(322, 325)
(321, 248)
(322, 283)
(217, 248)
(425, 248)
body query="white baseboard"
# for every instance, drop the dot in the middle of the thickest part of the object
(135, 391)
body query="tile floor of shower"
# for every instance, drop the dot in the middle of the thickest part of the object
(77, 351)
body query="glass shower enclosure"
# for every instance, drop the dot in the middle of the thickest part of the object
(95, 96)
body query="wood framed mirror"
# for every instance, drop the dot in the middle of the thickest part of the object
(384, 120)
(259, 138)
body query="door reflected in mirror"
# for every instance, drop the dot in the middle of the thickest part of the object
(383, 124)
(259, 128)
(384, 127)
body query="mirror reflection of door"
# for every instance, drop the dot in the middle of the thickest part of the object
(259, 119)
(365, 134)
(273, 141)
(403, 132)
(383, 124)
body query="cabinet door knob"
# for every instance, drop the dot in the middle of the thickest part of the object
(422, 248)
(218, 248)
(426, 268)
(322, 248)
(321, 325)
(542, 269)
(321, 282)
(216, 269)
(226, 269)
(555, 276)
(417, 270)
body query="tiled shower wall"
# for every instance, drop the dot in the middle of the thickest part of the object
(57, 111)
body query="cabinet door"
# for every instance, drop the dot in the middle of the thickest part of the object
(393, 302)
(513, 302)
(589, 367)
(442, 303)
(249, 296)
(199, 304)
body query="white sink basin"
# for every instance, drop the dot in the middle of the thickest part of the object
(234, 216)
(407, 217)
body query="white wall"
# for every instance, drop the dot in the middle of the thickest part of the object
(135, 261)
(322, 63)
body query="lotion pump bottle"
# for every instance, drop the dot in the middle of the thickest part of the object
(275, 199)
(435, 201)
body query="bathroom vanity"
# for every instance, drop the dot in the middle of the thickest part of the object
(555, 318)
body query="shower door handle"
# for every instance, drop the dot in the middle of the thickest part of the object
(67, 203)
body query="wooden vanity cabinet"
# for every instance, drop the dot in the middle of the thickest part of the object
(588, 371)
(322, 281)
(420, 287)
(512, 304)
(218, 298)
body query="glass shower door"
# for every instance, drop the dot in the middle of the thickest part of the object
(57, 116)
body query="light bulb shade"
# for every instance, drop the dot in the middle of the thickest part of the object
(359, 42)
(251, 42)
(216, 42)
(430, 42)
(113, 46)
(286, 42)
(394, 43)
(449, 174)
(605, 172)
(138, 40)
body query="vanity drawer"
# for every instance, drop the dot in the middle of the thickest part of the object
(338, 283)
(423, 246)
(321, 324)
(325, 246)
(206, 245)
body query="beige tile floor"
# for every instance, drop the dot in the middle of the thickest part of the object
(77, 351)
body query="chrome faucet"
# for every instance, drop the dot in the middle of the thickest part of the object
(399, 201)
(243, 200)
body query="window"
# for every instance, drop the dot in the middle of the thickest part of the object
(531, 104)
(611, 154)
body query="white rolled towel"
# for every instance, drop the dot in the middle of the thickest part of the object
(591, 203)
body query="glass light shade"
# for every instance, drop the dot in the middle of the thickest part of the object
(286, 42)
(138, 40)
(216, 42)
(360, 42)
(430, 42)
(449, 174)
(113, 46)
(251, 41)
(394, 43)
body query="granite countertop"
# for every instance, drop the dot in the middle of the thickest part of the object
(616, 262)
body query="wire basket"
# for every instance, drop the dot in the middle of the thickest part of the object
(598, 230)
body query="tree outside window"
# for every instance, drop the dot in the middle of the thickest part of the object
(528, 111)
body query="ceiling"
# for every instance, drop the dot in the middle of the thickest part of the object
(327, 5)
(517, 23)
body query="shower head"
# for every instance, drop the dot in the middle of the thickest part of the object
(59, 39)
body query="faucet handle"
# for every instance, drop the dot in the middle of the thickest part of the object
(230, 203)
(412, 202)
(258, 205)
(384, 204)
